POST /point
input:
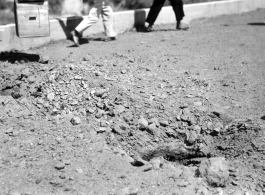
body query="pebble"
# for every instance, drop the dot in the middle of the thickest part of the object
(51, 96)
(164, 123)
(143, 123)
(192, 137)
(79, 170)
(44, 59)
(59, 166)
(100, 92)
(218, 127)
(38, 181)
(198, 104)
(119, 109)
(123, 71)
(75, 120)
(129, 191)
(184, 106)
(152, 128)
(101, 129)
(156, 163)
(197, 129)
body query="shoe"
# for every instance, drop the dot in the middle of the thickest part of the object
(149, 29)
(75, 37)
(182, 26)
(110, 39)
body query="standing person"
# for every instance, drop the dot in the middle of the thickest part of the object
(156, 7)
(100, 7)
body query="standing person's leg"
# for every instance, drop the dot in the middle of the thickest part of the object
(88, 21)
(108, 22)
(153, 13)
(177, 6)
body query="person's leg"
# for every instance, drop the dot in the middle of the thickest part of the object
(154, 11)
(108, 22)
(177, 6)
(88, 21)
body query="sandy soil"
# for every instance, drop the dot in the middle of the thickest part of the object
(138, 115)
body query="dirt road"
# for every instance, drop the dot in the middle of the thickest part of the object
(146, 114)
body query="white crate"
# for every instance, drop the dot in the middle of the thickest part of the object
(32, 18)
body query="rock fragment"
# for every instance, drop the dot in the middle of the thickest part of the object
(129, 191)
(143, 123)
(59, 166)
(51, 96)
(75, 120)
(215, 171)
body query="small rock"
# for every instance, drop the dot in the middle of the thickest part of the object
(197, 129)
(44, 59)
(156, 163)
(129, 191)
(215, 170)
(119, 109)
(38, 181)
(51, 96)
(101, 129)
(185, 118)
(59, 166)
(184, 106)
(217, 128)
(143, 123)
(79, 170)
(99, 113)
(100, 92)
(192, 137)
(164, 123)
(152, 128)
(123, 71)
(75, 120)
(198, 104)
(178, 118)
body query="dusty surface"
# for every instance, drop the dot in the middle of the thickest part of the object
(139, 115)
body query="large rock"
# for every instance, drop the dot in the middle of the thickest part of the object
(215, 170)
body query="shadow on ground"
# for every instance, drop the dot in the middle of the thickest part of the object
(14, 57)
(257, 24)
(250, 24)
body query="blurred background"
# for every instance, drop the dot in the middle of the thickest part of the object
(65, 8)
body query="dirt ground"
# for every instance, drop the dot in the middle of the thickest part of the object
(140, 115)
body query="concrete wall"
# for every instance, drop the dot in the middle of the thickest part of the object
(125, 21)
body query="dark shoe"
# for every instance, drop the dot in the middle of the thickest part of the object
(182, 26)
(149, 29)
(110, 39)
(76, 37)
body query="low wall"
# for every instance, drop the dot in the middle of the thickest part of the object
(126, 20)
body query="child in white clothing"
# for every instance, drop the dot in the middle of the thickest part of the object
(100, 7)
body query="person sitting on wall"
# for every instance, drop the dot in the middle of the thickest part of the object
(156, 7)
(100, 7)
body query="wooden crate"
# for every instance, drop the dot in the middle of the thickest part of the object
(32, 19)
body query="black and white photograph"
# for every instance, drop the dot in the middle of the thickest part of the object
(132, 97)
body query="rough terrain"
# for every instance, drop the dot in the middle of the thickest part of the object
(167, 112)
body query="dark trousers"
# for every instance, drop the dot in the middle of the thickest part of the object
(157, 5)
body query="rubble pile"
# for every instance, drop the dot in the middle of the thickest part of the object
(144, 117)
(157, 120)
